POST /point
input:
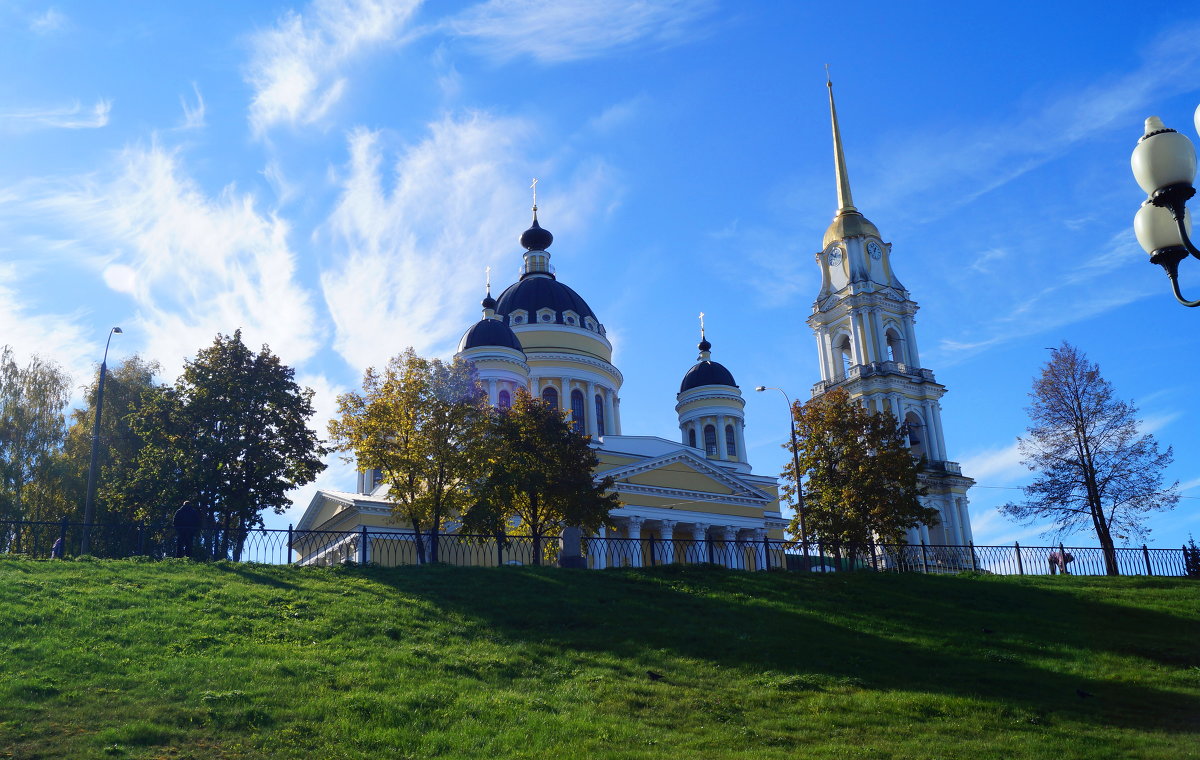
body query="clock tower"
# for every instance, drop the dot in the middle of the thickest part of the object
(865, 327)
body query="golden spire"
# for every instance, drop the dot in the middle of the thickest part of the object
(848, 221)
(701, 325)
(533, 187)
(845, 201)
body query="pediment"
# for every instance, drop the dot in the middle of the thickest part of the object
(684, 471)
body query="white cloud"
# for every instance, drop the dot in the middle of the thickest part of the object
(296, 66)
(74, 116)
(49, 22)
(569, 30)
(194, 265)
(193, 115)
(1000, 465)
(413, 250)
(64, 338)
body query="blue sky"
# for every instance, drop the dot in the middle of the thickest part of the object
(333, 178)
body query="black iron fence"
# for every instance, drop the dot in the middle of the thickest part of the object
(394, 547)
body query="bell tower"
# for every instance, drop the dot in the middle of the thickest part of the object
(865, 327)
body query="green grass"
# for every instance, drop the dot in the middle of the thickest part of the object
(182, 660)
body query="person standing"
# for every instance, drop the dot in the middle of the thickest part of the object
(187, 520)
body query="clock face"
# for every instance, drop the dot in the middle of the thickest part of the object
(875, 251)
(835, 257)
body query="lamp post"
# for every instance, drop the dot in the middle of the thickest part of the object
(1164, 165)
(796, 466)
(89, 506)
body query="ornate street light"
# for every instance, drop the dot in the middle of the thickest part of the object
(89, 506)
(1164, 165)
(796, 465)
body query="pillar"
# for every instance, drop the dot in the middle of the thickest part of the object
(937, 415)
(492, 397)
(598, 548)
(617, 415)
(610, 419)
(634, 544)
(729, 537)
(910, 336)
(722, 453)
(589, 410)
(698, 550)
(760, 551)
(667, 531)
(739, 428)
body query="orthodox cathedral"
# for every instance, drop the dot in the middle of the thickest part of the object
(541, 336)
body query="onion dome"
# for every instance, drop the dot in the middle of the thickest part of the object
(534, 293)
(535, 238)
(489, 333)
(706, 371)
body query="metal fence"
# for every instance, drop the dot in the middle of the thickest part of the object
(395, 547)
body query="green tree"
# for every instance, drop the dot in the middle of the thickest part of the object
(32, 429)
(541, 473)
(420, 423)
(231, 435)
(862, 481)
(1095, 469)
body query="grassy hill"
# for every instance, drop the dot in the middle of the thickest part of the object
(181, 660)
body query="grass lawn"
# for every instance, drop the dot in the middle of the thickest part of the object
(182, 660)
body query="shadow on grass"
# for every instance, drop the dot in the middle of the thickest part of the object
(959, 636)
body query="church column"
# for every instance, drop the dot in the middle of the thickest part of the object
(610, 419)
(697, 551)
(835, 363)
(564, 398)
(932, 446)
(617, 415)
(822, 359)
(937, 414)
(964, 519)
(634, 548)
(856, 333)
(739, 428)
(729, 537)
(598, 548)
(699, 434)
(535, 387)
(880, 341)
(910, 335)
(722, 453)
(667, 532)
(760, 551)
(493, 399)
(589, 410)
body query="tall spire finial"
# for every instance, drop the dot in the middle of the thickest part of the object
(488, 275)
(533, 187)
(704, 346)
(845, 201)
(701, 325)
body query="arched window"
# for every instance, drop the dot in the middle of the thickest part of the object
(577, 410)
(895, 347)
(692, 437)
(599, 415)
(730, 442)
(710, 440)
(916, 434)
(503, 400)
(843, 354)
(550, 396)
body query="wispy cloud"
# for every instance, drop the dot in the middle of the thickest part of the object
(570, 30)
(296, 65)
(997, 465)
(49, 22)
(412, 245)
(74, 116)
(192, 264)
(61, 337)
(193, 113)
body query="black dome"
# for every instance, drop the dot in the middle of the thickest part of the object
(706, 373)
(533, 293)
(489, 332)
(535, 238)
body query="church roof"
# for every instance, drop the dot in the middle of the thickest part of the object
(489, 332)
(706, 373)
(542, 292)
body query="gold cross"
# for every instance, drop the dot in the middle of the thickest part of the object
(534, 187)
(701, 324)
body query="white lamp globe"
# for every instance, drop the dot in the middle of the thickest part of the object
(1162, 157)
(1155, 227)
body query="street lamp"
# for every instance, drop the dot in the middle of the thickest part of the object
(796, 465)
(1164, 165)
(89, 506)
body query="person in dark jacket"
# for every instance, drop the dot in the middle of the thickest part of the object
(187, 520)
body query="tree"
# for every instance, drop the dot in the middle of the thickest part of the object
(540, 473)
(1095, 469)
(32, 428)
(231, 435)
(421, 423)
(862, 480)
